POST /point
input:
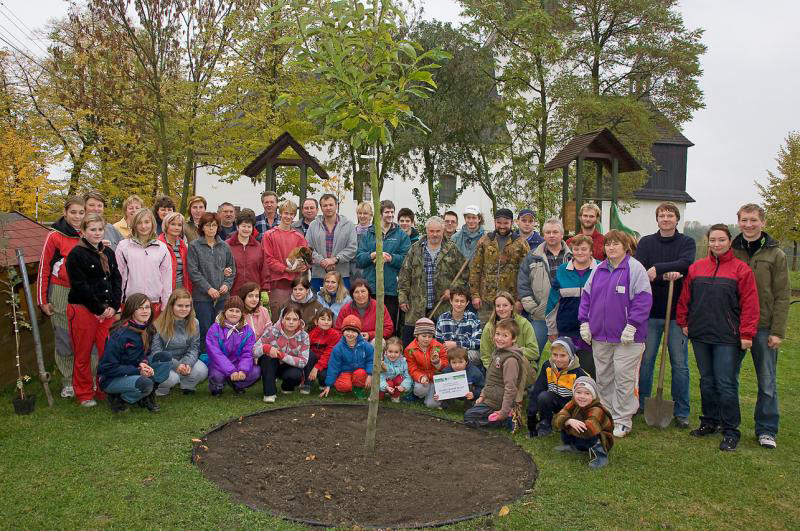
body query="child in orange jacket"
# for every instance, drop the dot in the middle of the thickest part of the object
(425, 357)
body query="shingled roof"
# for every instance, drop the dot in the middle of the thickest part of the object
(602, 141)
(275, 149)
(21, 232)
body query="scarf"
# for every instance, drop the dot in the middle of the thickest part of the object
(99, 251)
(142, 330)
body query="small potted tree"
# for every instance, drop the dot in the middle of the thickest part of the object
(23, 403)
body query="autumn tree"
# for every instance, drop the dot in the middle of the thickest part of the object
(782, 195)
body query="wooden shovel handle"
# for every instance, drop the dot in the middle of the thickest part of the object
(660, 389)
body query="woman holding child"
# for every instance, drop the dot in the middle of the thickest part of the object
(719, 311)
(525, 339)
(614, 309)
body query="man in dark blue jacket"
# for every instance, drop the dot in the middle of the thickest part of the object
(666, 255)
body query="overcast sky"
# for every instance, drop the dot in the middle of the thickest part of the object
(751, 82)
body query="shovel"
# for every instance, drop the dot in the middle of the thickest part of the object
(657, 411)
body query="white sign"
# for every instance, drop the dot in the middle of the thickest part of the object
(451, 385)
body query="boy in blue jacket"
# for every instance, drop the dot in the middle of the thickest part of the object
(350, 364)
(458, 360)
(553, 387)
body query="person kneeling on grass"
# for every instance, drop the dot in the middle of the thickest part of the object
(350, 366)
(178, 335)
(323, 338)
(553, 387)
(395, 378)
(506, 377)
(126, 373)
(458, 360)
(425, 357)
(585, 424)
(283, 353)
(229, 344)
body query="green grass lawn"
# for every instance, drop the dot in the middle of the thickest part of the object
(67, 467)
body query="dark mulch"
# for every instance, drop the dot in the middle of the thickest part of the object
(308, 463)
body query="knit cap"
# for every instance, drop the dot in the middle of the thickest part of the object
(234, 302)
(587, 383)
(351, 322)
(568, 345)
(504, 213)
(424, 326)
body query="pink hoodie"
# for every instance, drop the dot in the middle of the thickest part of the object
(145, 269)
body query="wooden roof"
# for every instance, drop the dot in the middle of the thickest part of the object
(24, 233)
(272, 153)
(598, 145)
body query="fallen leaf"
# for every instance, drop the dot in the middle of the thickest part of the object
(328, 496)
(311, 457)
(148, 480)
(504, 510)
(197, 440)
(313, 415)
(204, 447)
(241, 418)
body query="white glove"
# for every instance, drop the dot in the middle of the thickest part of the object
(628, 334)
(586, 334)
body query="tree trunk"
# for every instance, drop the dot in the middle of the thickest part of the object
(358, 185)
(794, 256)
(429, 176)
(374, 395)
(162, 140)
(188, 173)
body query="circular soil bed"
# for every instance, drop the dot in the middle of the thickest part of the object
(307, 464)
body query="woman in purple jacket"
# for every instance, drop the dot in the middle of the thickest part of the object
(615, 306)
(229, 345)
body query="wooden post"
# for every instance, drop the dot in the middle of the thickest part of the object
(578, 193)
(303, 183)
(598, 197)
(270, 180)
(564, 193)
(614, 179)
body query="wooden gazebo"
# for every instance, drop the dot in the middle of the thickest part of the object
(600, 147)
(270, 158)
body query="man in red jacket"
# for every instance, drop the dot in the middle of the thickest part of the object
(278, 242)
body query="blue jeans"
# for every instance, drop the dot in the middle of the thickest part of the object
(540, 329)
(206, 312)
(678, 347)
(578, 443)
(134, 388)
(765, 360)
(719, 367)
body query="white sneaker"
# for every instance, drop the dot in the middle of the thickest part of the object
(396, 399)
(67, 392)
(284, 392)
(88, 403)
(767, 441)
(270, 399)
(621, 431)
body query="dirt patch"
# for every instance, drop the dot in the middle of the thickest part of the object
(307, 463)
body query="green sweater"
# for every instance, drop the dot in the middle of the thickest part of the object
(526, 340)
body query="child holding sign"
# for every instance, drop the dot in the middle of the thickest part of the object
(425, 357)
(458, 360)
(506, 375)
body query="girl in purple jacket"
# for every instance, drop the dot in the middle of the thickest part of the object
(229, 344)
(615, 306)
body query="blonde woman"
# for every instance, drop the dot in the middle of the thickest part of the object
(333, 294)
(364, 213)
(145, 263)
(131, 206)
(178, 335)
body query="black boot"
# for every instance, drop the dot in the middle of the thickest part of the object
(149, 402)
(116, 403)
(599, 456)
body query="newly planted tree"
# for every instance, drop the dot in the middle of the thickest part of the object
(368, 79)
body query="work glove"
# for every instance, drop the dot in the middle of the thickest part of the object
(627, 334)
(586, 334)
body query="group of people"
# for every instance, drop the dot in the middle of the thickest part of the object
(158, 300)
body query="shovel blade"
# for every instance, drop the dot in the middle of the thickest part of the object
(658, 412)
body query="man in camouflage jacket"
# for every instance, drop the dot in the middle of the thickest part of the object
(493, 270)
(413, 293)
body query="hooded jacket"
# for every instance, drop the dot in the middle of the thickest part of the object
(229, 348)
(348, 359)
(293, 349)
(145, 268)
(596, 417)
(396, 243)
(393, 370)
(322, 343)
(277, 244)
(183, 250)
(772, 280)
(309, 307)
(259, 320)
(123, 353)
(249, 259)
(467, 241)
(335, 307)
(526, 341)
(491, 271)
(344, 245)
(91, 286)
(533, 282)
(614, 298)
(719, 302)
(419, 361)
(206, 266)
(181, 347)
(564, 299)
(57, 246)
(559, 381)
(368, 319)
(506, 374)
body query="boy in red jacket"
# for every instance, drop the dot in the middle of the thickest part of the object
(425, 357)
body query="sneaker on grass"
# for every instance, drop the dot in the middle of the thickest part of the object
(270, 399)
(728, 443)
(621, 431)
(305, 389)
(703, 430)
(88, 403)
(767, 441)
(67, 391)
